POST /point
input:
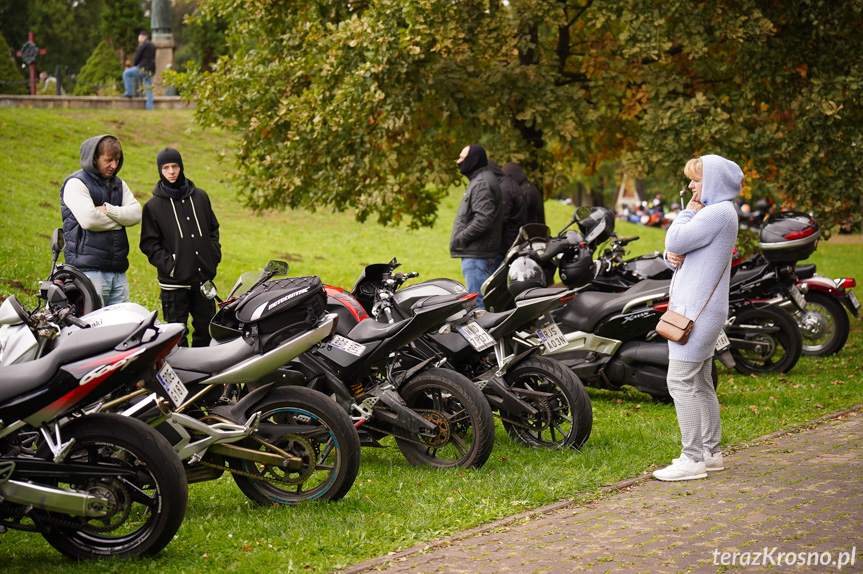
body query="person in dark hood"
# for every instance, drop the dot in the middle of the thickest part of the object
(180, 237)
(97, 207)
(143, 68)
(476, 231)
(532, 196)
(513, 208)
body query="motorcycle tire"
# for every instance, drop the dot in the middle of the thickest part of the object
(466, 436)
(560, 397)
(330, 450)
(78, 288)
(150, 507)
(777, 332)
(824, 326)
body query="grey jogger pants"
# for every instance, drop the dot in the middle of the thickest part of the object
(691, 387)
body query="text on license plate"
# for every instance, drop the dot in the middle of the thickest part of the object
(172, 384)
(552, 338)
(476, 336)
(722, 342)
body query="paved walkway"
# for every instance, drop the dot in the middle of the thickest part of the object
(787, 500)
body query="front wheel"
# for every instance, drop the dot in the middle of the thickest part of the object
(465, 435)
(317, 431)
(565, 415)
(824, 325)
(146, 510)
(764, 340)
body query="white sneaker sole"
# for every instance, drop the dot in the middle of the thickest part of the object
(715, 469)
(678, 478)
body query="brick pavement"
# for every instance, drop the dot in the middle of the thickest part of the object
(795, 493)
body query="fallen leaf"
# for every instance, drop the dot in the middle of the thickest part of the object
(754, 409)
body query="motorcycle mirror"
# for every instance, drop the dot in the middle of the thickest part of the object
(581, 212)
(276, 267)
(58, 242)
(208, 290)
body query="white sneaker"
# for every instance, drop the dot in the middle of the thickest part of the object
(713, 461)
(682, 469)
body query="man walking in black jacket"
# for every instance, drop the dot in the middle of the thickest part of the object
(143, 67)
(180, 237)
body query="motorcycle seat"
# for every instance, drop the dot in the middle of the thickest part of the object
(745, 275)
(210, 359)
(490, 320)
(805, 271)
(370, 330)
(539, 292)
(435, 300)
(22, 378)
(589, 307)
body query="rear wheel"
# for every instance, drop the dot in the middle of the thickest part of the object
(465, 435)
(318, 432)
(146, 510)
(824, 325)
(764, 340)
(565, 415)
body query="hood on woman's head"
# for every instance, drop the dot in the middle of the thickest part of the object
(722, 179)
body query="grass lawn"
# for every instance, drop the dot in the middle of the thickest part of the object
(392, 505)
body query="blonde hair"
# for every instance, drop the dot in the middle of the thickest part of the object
(694, 169)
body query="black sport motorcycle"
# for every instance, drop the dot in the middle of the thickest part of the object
(93, 485)
(437, 416)
(540, 403)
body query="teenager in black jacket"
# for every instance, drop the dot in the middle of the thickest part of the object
(180, 237)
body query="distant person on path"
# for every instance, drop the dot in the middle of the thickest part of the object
(143, 68)
(476, 231)
(97, 207)
(513, 209)
(180, 237)
(698, 246)
(533, 197)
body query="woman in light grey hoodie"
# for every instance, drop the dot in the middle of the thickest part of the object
(703, 235)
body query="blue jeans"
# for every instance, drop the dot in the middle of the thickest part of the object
(146, 78)
(475, 272)
(112, 287)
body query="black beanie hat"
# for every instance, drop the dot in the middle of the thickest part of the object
(170, 155)
(475, 159)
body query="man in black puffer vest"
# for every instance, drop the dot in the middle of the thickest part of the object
(97, 206)
(180, 237)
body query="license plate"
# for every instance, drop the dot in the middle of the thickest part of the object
(798, 297)
(476, 336)
(552, 338)
(722, 342)
(853, 298)
(172, 384)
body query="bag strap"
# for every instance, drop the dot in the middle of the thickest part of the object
(671, 288)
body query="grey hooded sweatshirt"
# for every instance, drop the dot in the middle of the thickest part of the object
(707, 238)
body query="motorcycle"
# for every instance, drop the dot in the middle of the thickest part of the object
(607, 339)
(437, 416)
(824, 324)
(281, 445)
(93, 485)
(540, 403)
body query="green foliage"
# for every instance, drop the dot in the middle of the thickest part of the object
(11, 80)
(121, 22)
(204, 34)
(101, 74)
(365, 105)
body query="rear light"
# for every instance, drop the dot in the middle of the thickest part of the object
(567, 299)
(661, 307)
(846, 283)
(470, 296)
(800, 234)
